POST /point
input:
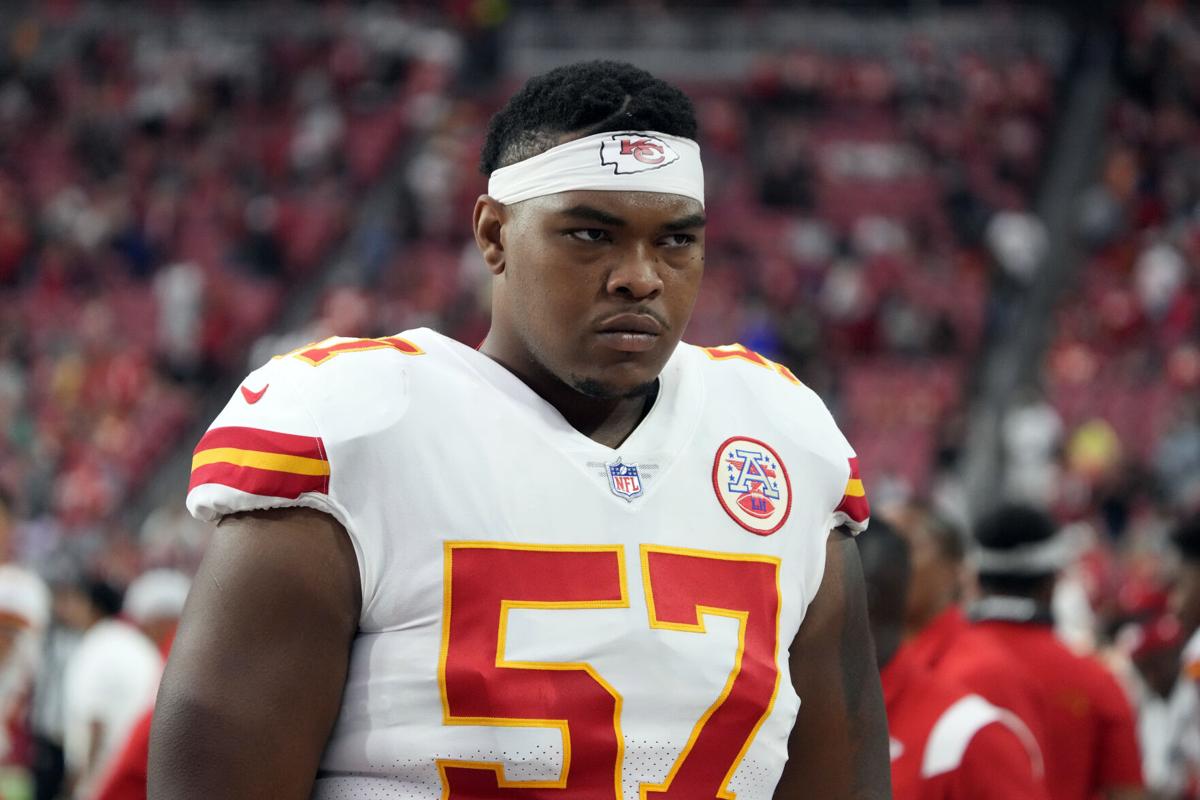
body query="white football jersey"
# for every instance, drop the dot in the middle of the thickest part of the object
(541, 612)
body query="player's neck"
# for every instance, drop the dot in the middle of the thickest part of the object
(608, 421)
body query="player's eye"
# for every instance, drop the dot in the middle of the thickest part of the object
(677, 240)
(588, 234)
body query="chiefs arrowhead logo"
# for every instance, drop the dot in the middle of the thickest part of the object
(628, 153)
(254, 397)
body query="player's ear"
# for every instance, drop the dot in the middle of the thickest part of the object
(488, 222)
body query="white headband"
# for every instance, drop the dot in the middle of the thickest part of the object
(1035, 558)
(631, 161)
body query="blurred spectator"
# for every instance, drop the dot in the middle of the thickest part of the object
(172, 537)
(1075, 620)
(179, 293)
(24, 615)
(127, 775)
(1177, 458)
(1185, 603)
(1185, 595)
(1086, 730)
(938, 636)
(946, 743)
(110, 680)
(1019, 242)
(71, 608)
(155, 602)
(1159, 274)
(1166, 704)
(1032, 434)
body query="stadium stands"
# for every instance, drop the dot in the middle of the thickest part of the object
(163, 182)
(1127, 352)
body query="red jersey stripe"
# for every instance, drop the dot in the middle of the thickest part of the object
(854, 502)
(856, 508)
(243, 438)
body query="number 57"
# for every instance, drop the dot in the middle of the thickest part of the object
(484, 581)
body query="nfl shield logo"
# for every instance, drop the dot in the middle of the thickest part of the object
(624, 480)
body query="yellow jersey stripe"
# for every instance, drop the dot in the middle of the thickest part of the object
(277, 462)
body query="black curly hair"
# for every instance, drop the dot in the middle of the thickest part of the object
(585, 98)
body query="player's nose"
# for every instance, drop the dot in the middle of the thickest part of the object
(636, 275)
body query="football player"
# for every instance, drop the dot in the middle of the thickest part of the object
(584, 560)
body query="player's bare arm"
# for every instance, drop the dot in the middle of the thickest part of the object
(255, 677)
(839, 746)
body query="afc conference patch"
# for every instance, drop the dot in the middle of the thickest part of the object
(752, 484)
(624, 480)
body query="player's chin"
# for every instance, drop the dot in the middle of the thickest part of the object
(632, 378)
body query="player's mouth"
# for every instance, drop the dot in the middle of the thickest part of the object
(630, 333)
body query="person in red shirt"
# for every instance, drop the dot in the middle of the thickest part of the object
(937, 633)
(126, 777)
(1088, 734)
(946, 742)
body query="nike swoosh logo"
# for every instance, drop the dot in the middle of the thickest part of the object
(254, 397)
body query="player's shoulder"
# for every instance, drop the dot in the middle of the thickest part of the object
(342, 365)
(739, 381)
(343, 375)
(737, 364)
(276, 440)
(739, 375)
(742, 383)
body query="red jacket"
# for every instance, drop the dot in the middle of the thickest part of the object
(958, 653)
(126, 775)
(1089, 736)
(950, 744)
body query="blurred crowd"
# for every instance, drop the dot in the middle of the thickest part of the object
(164, 189)
(161, 189)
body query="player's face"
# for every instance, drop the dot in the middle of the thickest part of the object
(934, 577)
(598, 287)
(1185, 596)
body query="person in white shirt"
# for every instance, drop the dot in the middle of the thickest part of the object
(24, 614)
(1165, 702)
(110, 681)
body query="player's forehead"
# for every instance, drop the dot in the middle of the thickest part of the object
(660, 208)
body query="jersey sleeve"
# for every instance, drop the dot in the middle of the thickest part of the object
(264, 450)
(848, 504)
(853, 511)
(305, 430)
(847, 496)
